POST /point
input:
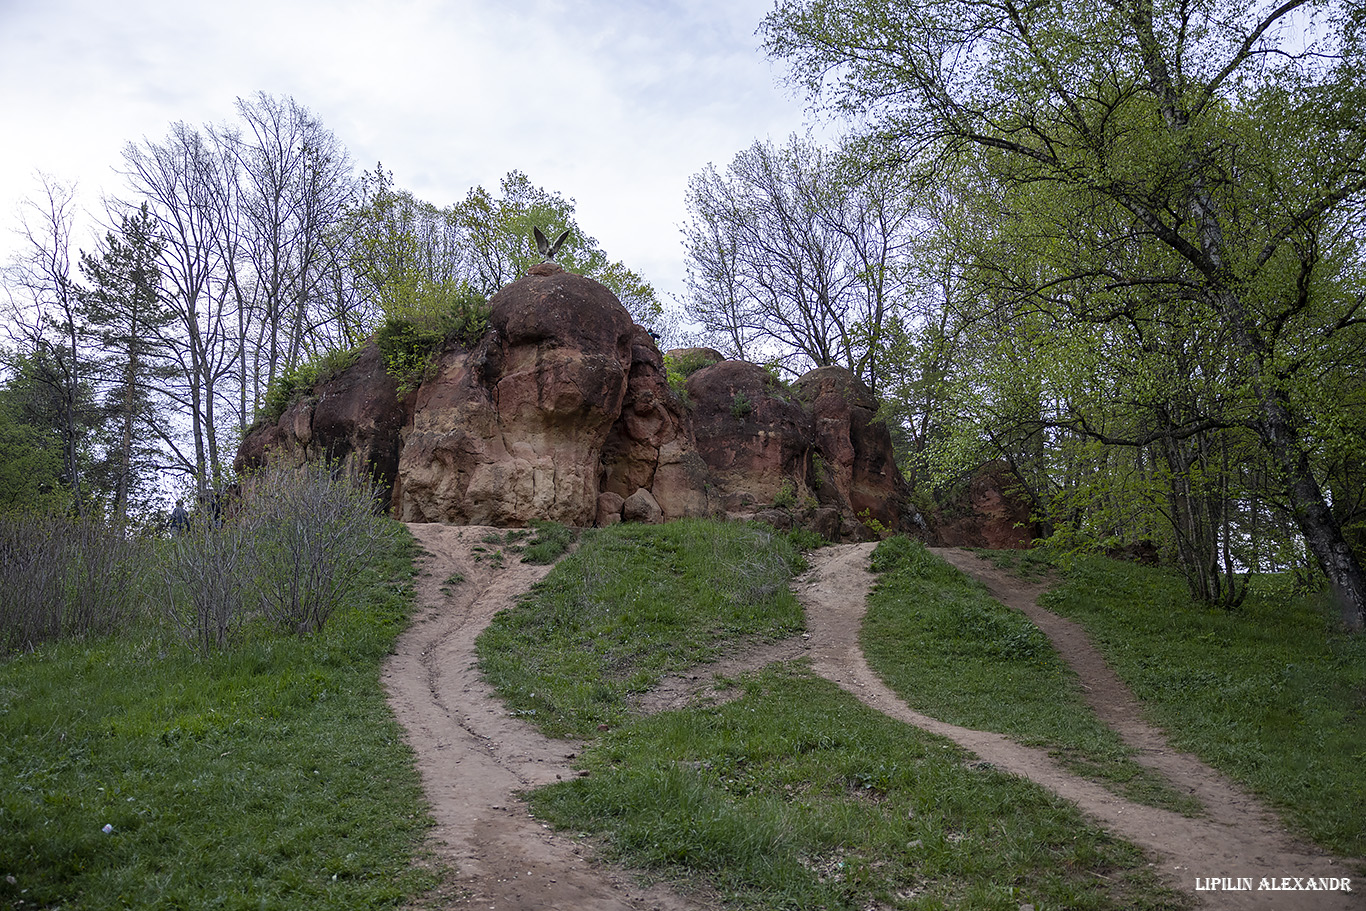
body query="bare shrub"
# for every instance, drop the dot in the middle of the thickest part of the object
(315, 530)
(61, 577)
(209, 580)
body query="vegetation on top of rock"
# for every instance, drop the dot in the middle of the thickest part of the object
(678, 366)
(300, 381)
(410, 336)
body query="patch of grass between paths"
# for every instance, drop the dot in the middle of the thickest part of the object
(1273, 693)
(952, 651)
(632, 604)
(798, 796)
(270, 776)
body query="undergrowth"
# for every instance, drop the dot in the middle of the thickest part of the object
(296, 382)
(140, 772)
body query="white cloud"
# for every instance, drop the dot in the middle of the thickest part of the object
(614, 104)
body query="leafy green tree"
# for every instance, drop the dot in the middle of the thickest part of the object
(30, 454)
(499, 246)
(1227, 163)
(406, 251)
(50, 384)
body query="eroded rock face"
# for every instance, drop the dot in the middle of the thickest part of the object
(564, 411)
(857, 471)
(514, 430)
(993, 511)
(651, 445)
(354, 418)
(754, 437)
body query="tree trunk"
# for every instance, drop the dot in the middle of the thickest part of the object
(1312, 514)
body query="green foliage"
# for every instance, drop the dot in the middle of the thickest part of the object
(804, 539)
(740, 406)
(412, 334)
(407, 349)
(30, 460)
(1152, 261)
(796, 795)
(1270, 693)
(786, 497)
(408, 252)
(951, 651)
(678, 369)
(873, 524)
(300, 381)
(820, 473)
(273, 774)
(631, 604)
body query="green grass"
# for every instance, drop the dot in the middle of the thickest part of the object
(955, 653)
(799, 796)
(795, 795)
(268, 776)
(1274, 694)
(633, 603)
(548, 542)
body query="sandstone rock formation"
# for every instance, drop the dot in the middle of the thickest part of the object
(355, 418)
(564, 411)
(992, 511)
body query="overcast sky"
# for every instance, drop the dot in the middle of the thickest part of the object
(614, 104)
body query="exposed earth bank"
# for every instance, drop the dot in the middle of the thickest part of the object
(474, 757)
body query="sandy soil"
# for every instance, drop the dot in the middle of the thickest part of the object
(474, 757)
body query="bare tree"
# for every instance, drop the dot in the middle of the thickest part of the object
(798, 253)
(181, 179)
(295, 184)
(45, 323)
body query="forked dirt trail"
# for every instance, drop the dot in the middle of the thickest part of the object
(474, 757)
(1240, 838)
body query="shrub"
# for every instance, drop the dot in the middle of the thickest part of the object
(301, 380)
(313, 533)
(678, 369)
(63, 577)
(208, 580)
(289, 552)
(410, 335)
(786, 497)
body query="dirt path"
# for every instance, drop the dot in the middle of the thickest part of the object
(473, 757)
(1239, 839)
